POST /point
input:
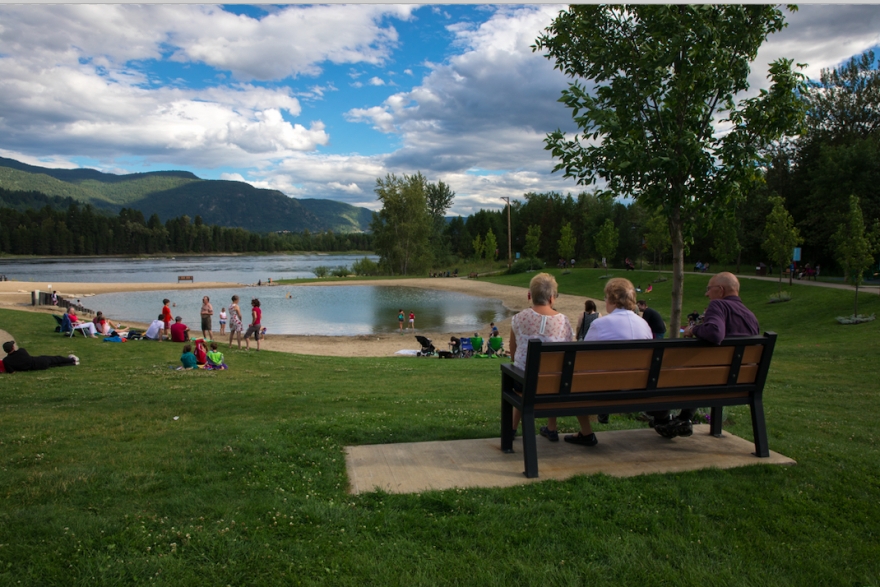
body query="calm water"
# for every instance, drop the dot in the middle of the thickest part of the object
(317, 310)
(244, 269)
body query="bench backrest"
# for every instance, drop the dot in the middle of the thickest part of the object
(555, 371)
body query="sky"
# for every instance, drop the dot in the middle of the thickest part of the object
(319, 101)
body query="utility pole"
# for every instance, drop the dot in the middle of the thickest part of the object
(509, 250)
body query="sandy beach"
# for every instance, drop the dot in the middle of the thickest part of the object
(16, 295)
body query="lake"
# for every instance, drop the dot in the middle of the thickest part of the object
(234, 269)
(314, 310)
(317, 310)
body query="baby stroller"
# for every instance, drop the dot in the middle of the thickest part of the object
(427, 348)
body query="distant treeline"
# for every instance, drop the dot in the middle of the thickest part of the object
(26, 229)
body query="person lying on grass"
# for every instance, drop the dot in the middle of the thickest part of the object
(19, 360)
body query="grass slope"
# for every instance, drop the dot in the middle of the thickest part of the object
(101, 486)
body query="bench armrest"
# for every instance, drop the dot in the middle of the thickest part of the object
(515, 373)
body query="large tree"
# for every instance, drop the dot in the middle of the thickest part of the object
(403, 225)
(438, 197)
(659, 79)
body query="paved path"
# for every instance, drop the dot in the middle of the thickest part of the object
(413, 467)
(865, 287)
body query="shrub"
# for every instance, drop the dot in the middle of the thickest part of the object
(321, 271)
(365, 267)
(340, 271)
(527, 264)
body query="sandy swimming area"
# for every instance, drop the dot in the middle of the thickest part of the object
(16, 295)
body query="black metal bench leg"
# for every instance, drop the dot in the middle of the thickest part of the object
(715, 424)
(506, 427)
(530, 446)
(759, 429)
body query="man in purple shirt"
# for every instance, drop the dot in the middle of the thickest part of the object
(726, 316)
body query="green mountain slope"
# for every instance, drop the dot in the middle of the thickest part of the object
(172, 194)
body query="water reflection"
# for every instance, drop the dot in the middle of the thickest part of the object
(318, 310)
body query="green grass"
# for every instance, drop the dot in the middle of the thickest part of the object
(101, 486)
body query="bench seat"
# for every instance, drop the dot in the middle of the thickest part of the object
(581, 378)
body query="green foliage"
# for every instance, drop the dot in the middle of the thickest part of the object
(533, 242)
(854, 248)
(490, 246)
(566, 242)
(365, 266)
(606, 241)
(438, 197)
(526, 264)
(479, 248)
(321, 271)
(650, 82)
(781, 236)
(403, 226)
(726, 245)
(172, 194)
(340, 271)
(657, 238)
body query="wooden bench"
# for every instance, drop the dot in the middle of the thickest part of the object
(184, 278)
(578, 378)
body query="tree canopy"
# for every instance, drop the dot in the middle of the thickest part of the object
(658, 79)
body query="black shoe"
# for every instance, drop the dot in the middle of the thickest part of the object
(588, 440)
(551, 435)
(683, 428)
(603, 418)
(667, 429)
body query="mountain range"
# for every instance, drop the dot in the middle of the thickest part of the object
(172, 194)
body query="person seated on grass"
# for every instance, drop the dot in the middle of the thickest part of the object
(215, 358)
(154, 331)
(188, 359)
(106, 327)
(19, 360)
(179, 330)
(77, 325)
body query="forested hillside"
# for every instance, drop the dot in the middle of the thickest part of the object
(172, 194)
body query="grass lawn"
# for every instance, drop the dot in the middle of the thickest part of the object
(101, 486)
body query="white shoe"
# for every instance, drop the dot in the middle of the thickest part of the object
(75, 359)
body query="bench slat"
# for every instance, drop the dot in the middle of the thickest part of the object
(693, 376)
(697, 357)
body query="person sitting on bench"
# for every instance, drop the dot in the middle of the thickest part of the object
(725, 316)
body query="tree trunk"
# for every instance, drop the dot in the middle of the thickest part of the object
(677, 273)
(856, 305)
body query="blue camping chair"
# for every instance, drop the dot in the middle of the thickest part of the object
(467, 349)
(67, 328)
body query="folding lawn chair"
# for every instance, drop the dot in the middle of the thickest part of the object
(467, 349)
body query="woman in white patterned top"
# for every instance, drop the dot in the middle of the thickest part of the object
(540, 321)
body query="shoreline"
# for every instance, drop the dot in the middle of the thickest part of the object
(15, 295)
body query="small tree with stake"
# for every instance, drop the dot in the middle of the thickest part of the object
(606, 240)
(566, 242)
(854, 249)
(781, 236)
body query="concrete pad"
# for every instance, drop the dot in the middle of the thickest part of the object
(412, 467)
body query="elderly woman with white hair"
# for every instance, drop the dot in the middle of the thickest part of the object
(540, 321)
